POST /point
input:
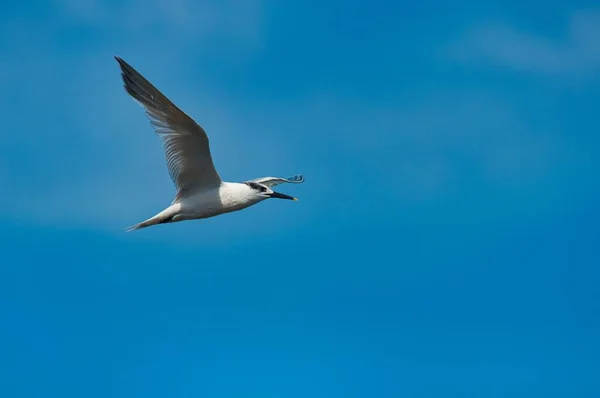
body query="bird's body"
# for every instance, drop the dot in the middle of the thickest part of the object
(200, 191)
(226, 198)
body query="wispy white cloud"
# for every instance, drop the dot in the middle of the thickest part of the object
(426, 145)
(575, 53)
(186, 19)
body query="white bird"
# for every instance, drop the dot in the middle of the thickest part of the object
(200, 191)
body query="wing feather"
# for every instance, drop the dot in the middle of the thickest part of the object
(186, 145)
(273, 181)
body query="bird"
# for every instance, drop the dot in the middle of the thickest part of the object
(201, 193)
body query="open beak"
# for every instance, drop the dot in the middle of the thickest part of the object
(282, 196)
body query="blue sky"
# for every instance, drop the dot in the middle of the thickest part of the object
(445, 243)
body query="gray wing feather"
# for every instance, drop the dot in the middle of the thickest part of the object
(273, 181)
(186, 144)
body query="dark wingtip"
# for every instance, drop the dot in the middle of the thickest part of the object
(298, 178)
(122, 63)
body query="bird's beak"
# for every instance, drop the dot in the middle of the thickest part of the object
(282, 196)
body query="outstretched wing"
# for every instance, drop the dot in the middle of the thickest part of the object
(185, 143)
(273, 181)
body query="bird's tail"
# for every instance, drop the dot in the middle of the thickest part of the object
(163, 217)
(143, 224)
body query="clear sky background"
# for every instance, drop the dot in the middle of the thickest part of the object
(445, 243)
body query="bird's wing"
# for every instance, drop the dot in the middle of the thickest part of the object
(185, 143)
(272, 181)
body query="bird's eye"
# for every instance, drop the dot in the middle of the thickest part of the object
(263, 189)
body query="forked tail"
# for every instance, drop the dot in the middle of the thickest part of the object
(149, 222)
(164, 217)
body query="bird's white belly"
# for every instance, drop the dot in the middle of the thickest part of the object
(210, 204)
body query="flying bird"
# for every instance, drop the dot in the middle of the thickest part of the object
(200, 191)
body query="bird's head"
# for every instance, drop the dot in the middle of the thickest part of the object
(262, 191)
